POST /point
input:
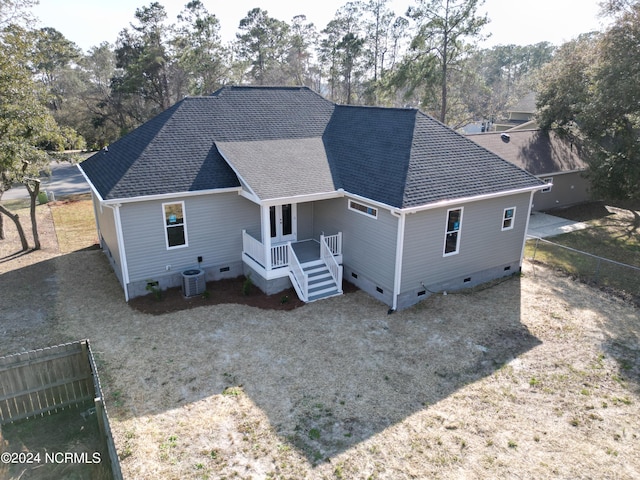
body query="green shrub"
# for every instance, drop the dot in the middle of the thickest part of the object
(247, 285)
(154, 288)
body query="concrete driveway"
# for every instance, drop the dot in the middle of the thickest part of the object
(65, 179)
(542, 225)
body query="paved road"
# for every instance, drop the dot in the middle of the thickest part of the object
(65, 179)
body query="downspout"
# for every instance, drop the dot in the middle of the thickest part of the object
(526, 228)
(123, 255)
(399, 254)
(97, 206)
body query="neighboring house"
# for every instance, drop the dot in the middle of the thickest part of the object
(553, 159)
(281, 184)
(519, 116)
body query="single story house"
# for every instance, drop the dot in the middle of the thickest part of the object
(284, 185)
(554, 159)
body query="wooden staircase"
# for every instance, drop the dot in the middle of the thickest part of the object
(321, 283)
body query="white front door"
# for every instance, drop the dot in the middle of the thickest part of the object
(282, 220)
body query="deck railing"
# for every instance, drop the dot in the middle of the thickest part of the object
(299, 275)
(253, 248)
(327, 256)
(279, 256)
(334, 242)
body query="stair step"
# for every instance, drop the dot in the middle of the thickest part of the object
(316, 271)
(320, 277)
(321, 283)
(329, 292)
(312, 263)
(319, 290)
(316, 287)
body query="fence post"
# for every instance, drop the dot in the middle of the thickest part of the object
(100, 415)
(535, 249)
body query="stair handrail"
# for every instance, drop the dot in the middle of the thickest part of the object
(300, 276)
(335, 269)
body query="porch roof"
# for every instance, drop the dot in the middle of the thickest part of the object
(280, 168)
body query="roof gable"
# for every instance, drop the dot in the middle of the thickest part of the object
(280, 168)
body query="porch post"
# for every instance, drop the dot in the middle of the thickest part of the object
(265, 221)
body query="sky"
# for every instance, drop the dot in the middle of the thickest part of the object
(88, 23)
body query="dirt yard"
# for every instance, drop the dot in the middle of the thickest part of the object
(534, 377)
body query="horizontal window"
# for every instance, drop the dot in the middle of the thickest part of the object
(363, 209)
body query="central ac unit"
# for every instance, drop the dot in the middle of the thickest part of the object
(193, 282)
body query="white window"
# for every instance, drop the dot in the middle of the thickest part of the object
(452, 233)
(363, 209)
(175, 224)
(548, 181)
(508, 217)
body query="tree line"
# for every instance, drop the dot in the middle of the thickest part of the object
(367, 54)
(54, 96)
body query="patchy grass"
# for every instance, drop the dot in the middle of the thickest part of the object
(75, 223)
(535, 377)
(614, 231)
(614, 234)
(16, 204)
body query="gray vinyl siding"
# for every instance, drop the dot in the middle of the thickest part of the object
(368, 244)
(568, 189)
(214, 225)
(105, 219)
(305, 221)
(483, 244)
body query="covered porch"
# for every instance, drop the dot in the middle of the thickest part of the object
(313, 266)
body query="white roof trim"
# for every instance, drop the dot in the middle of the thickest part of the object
(475, 198)
(160, 196)
(311, 197)
(91, 185)
(246, 187)
(169, 196)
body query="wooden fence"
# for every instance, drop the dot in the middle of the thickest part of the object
(44, 381)
(103, 418)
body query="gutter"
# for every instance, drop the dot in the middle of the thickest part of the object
(160, 196)
(169, 196)
(312, 197)
(475, 198)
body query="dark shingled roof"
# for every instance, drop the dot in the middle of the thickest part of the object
(176, 152)
(536, 151)
(400, 157)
